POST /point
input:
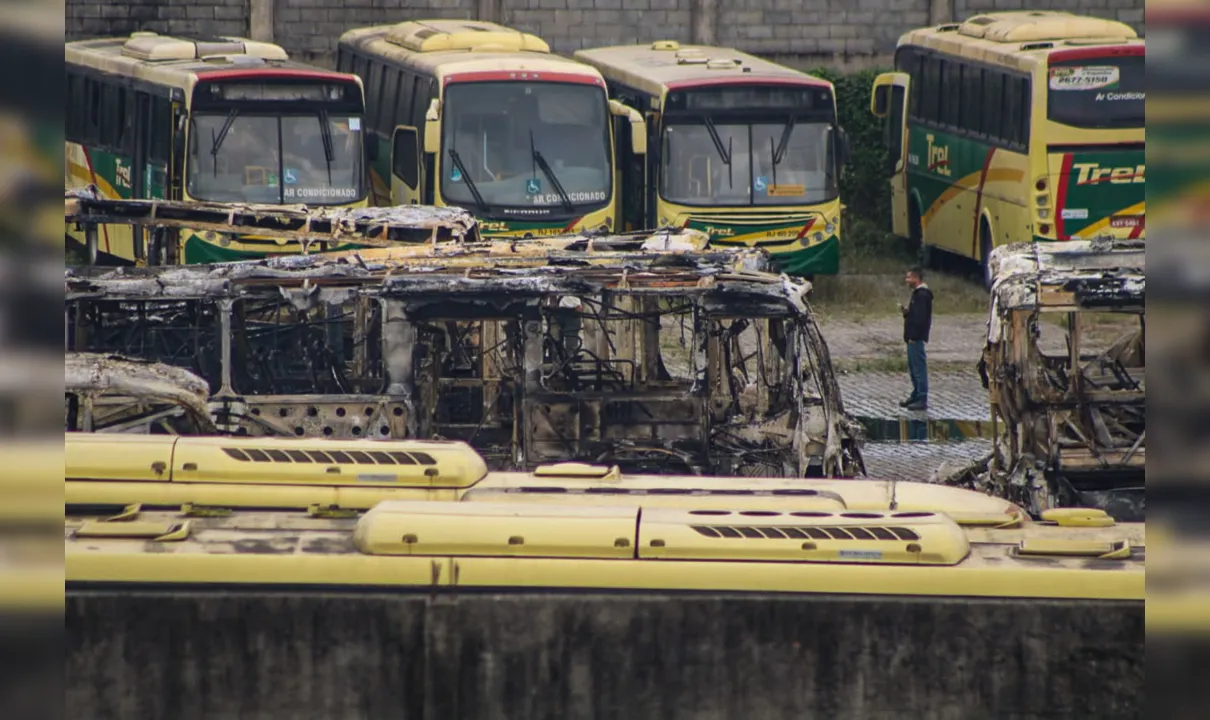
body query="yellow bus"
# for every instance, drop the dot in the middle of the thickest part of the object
(1015, 127)
(226, 120)
(479, 116)
(743, 149)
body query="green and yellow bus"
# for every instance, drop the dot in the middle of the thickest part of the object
(1012, 127)
(743, 149)
(479, 116)
(225, 120)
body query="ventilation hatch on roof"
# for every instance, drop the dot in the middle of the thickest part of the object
(449, 35)
(158, 48)
(1028, 27)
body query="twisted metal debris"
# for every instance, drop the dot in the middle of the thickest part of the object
(1074, 422)
(644, 350)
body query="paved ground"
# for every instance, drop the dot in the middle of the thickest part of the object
(918, 460)
(903, 444)
(953, 338)
(952, 396)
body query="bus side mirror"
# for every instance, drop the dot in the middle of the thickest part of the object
(432, 127)
(405, 156)
(638, 126)
(880, 100)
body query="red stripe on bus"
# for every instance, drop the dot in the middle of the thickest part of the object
(1094, 53)
(524, 75)
(1061, 196)
(987, 163)
(747, 79)
(274, 73)
(805, 229)
(1138, 229)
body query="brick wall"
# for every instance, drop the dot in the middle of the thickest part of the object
(845, 33)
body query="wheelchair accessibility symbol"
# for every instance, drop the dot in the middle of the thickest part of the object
(291, 176)
(533, 186)
(761, 184)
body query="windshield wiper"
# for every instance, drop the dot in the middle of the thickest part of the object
(466, 177)
(550, 174)
(325, 131)
(784, 143)
(222, 135)
(724, 153)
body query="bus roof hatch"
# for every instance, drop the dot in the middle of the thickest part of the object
(469, 35)
(157, 48)
(1034, 26)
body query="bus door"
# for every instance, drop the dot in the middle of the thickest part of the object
(630, 157)
(889, 102)
(405, 166)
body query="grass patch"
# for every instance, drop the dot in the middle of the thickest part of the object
(870, 283)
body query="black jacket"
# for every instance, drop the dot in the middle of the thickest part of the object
(918, 317)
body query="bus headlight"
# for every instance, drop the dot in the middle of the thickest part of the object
(829, 228)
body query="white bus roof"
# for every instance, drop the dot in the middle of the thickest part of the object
(1021, 40)
(181, 61)
(447, 47)
(667, 64)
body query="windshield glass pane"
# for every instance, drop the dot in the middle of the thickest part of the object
(695, 169)
(1098, 93)
(802, 173)
(502, 131)
(275, 159)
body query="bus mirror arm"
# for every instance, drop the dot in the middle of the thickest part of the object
(880, 100)
(638, 126)
(432, 127)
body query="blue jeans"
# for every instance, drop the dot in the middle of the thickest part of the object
(918, 369)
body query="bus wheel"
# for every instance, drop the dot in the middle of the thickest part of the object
(915, 233)
(925, 255)
(985, 250)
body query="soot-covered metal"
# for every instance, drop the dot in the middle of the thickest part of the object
(1074, 419)
(643, 350)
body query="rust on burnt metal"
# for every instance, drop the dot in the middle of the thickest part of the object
(1071, 413)
(315, 228)
(110, 393)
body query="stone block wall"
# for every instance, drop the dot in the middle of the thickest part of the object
(842, 33)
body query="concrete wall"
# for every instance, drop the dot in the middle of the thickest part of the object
(303, 655)
(844, 33)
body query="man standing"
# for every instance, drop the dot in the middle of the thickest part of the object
(917, 320)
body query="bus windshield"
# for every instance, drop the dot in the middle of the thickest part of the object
(310, 158)
(543, 146)
(738, 163)
(1098, 92)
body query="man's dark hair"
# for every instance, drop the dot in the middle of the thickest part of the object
(917, 271)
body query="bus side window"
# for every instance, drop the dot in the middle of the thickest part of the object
(930, 96)
(916, 71)
(373, 88)
(92, 111)
(993, 103)
(424, 94)
(951, 94)
(388, 84)
(161, 130)
(972, 99)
